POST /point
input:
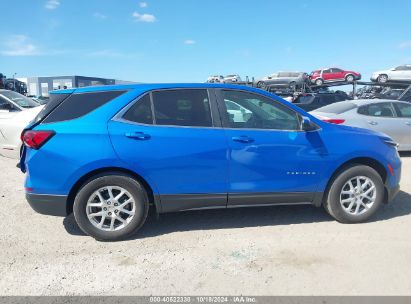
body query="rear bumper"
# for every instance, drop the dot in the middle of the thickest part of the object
(55, 205)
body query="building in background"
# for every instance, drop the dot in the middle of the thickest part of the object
(41, 86)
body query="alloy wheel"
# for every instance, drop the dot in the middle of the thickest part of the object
(110, 208)
(358, 195)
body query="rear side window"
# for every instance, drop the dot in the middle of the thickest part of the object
(77, 105)
(184, 107)
(140, 112)
(338, 107)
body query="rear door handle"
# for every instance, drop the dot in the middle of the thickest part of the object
(138, 135)
(243, 139)
(373, 123)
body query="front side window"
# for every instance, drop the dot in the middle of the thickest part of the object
(327, 71)
(183, 107)
(257, 112)
(377, 110)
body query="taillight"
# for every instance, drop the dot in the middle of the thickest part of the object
(35, 139)
(334, 121)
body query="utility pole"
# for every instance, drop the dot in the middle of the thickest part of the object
(14, 82)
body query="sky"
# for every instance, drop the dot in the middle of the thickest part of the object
(188, 40)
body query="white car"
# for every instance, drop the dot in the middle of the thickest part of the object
(16, 111)
(232, 78)
(237, 112)
(215, 78)
(400, 73)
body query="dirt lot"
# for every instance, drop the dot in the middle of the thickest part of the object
(261, 251)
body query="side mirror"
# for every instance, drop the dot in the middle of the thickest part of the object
(307, 124)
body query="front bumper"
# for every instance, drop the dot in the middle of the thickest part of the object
(392, 192)
(55, 205)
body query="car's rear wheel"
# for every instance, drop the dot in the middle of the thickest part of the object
(349, 78)
(382, 78)
(319, 81)
(355, 194)
(111, 207)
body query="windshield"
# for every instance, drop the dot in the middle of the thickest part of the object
(19, 99)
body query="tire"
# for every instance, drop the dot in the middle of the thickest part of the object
(349, 78)
(261, 84)
(292, 85)
(382, 78)
(319, 82)
(133, 215)
(336, 195)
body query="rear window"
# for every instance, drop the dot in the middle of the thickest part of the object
(338, 107)
(78, 105)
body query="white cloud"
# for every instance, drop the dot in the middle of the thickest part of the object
(52, 4)
(99, 15)
(189, 42)
(144, 17)
(18, 45)
(143, 4)
(405, 45)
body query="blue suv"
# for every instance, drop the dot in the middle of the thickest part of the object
(109, 154)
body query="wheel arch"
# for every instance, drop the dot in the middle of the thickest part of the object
(367, 161)
(111, 170)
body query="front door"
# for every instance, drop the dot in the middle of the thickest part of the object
(170, 138)
(404, 121)
(270, 159)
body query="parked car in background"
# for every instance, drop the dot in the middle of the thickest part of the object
(368, 92)
(312, 101)
(387, 116)
(16, 111)
(399, 73)
(287, 79)
(170, 147)
(234, 78)
(40, 99)
(215, 79)
(319, 77)
(389, 93)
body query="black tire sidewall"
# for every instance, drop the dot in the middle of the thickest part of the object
(333, 205)
(131, 185)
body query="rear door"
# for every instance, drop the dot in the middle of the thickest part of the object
(381, 117)
(404, 118)
(337, 74)
(173, 139)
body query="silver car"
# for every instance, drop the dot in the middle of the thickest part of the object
(387, 116)
(400, 73)
(287, 79)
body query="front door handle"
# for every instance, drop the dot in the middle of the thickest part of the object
(408, 123)
(138, 135)
(373, 123)
(243, 139)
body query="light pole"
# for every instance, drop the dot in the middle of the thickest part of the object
(14, 81)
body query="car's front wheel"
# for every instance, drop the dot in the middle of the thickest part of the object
(261, 84)
(355, 194)
(382, 78)
(319, 81)
(349, 78)
(111, 207)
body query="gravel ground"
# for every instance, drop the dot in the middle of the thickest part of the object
(280, 250)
